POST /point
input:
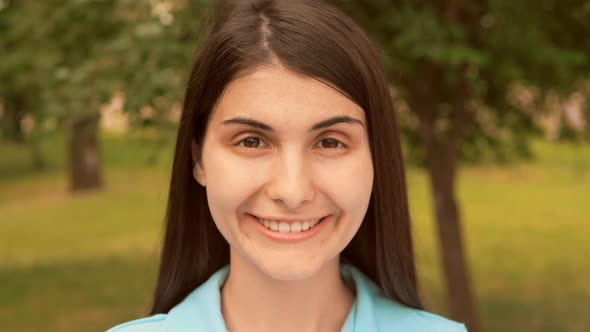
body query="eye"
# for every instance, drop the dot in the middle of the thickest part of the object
(253, 142)
(333, 143)
(250, 142)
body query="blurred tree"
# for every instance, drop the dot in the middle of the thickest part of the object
(155, 53)
(80, 77)
(63, 60)
(18, 89)
(54, 65)
(454, 65)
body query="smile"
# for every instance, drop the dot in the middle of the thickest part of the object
(289, 227)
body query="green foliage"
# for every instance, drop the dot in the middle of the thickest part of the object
(430, 46)
(57, 61)
(155, 52)
(69, 57)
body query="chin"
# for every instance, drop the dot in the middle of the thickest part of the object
(289, 269)
(283, 270)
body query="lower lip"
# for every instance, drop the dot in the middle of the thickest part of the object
(289, 237)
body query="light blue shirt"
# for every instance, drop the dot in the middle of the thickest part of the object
(200, 311)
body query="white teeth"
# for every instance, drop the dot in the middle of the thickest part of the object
(296, 227)
(305, 225)
(284, 227)
(274, 226)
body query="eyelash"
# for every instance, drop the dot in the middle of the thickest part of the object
(344, 146)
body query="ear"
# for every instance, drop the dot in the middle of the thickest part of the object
(198, 172)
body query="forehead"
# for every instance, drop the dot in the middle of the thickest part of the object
(277, 94)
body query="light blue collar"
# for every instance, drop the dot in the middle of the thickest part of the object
(201, 309)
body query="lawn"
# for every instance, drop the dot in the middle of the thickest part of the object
(87, 262)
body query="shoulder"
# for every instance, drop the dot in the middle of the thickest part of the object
(146, 324)
(384, 314)
(390, 313)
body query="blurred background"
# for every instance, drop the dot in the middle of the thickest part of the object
(492, 97)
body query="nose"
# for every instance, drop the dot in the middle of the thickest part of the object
(291, 183)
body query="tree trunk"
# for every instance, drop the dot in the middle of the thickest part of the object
(84, 161)
(442, 167)
(11, 117)
(442, 180)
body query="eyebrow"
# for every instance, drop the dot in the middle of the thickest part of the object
(320, 125)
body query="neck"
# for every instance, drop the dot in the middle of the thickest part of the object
(253, 301)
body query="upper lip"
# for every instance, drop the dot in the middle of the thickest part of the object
(287, 219)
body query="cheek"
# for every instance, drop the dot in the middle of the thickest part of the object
(349, 183)
(230, 182)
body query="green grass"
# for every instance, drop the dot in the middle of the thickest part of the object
(87, 262)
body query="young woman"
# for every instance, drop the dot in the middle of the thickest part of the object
(288, 207)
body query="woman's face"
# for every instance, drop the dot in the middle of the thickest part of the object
(291, 171)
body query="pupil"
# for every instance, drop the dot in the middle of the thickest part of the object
(250, 140)
(333, 144)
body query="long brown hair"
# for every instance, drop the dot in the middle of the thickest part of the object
(318, 40)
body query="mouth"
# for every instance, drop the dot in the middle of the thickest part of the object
(289, 227)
